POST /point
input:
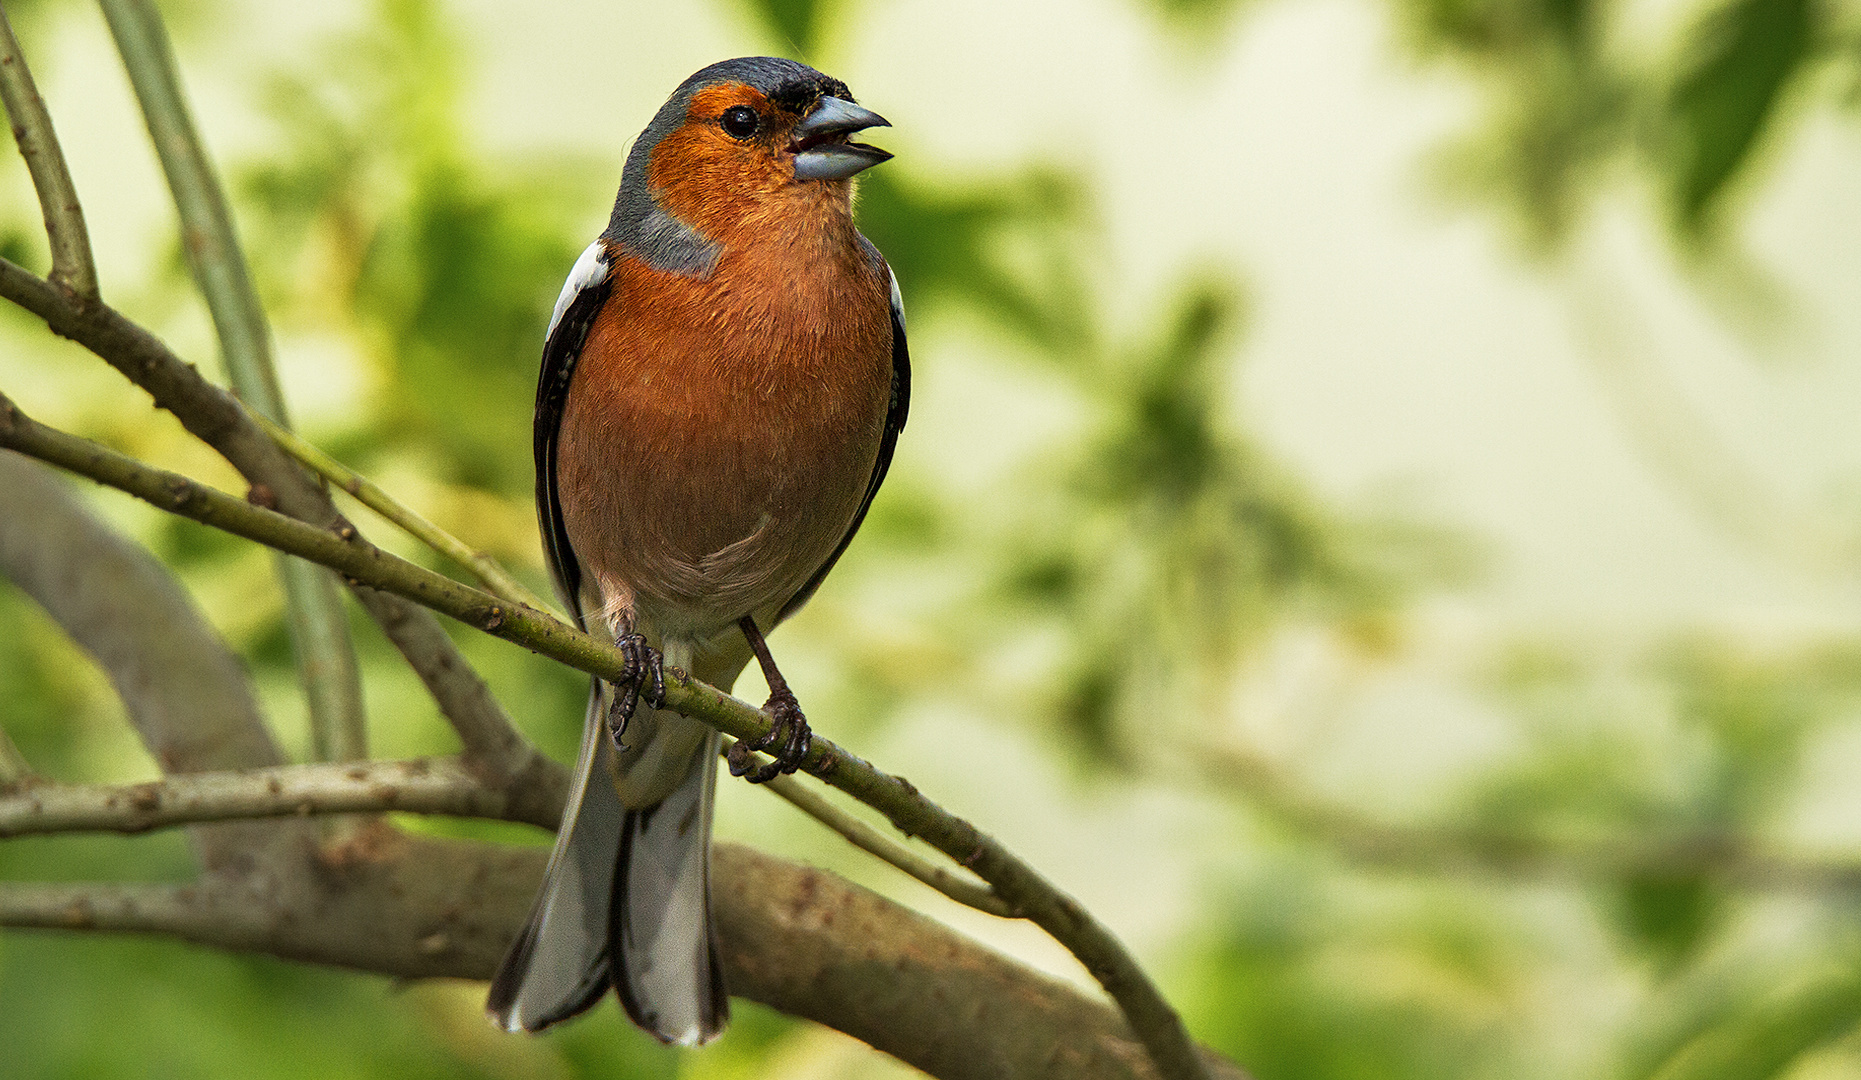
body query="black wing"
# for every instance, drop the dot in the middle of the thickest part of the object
(583, 296)
(894, 423)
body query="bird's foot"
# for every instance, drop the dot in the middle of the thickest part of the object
(645, 679)
(790, 738)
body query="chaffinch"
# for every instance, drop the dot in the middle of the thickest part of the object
(724, 378)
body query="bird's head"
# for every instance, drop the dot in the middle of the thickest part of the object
(738, 143)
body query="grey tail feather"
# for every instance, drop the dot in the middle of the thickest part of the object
(667, 974)
(632, 883)
(558, 966)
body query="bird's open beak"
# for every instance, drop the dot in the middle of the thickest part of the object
(820, 144)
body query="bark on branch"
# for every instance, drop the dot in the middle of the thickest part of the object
(800, 940)
(72, 267)
(417, 786)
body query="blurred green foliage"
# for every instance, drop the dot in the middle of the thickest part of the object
(1147, 555)
(1166, 545)
(1740, 61)
(1565, 95)
(381, 217)
(797, 24)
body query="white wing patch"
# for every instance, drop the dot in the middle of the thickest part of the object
(589, 270)
(898, 301)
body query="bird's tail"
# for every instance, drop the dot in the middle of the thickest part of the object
(667, 973)
(625, 902)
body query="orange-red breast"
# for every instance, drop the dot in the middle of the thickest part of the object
(723, 382)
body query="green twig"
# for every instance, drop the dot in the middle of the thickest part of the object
(72, 267)
(207, 232)
(319, 629)
(496, 579)
(1018, 885)
(876, 843)
(326, 662)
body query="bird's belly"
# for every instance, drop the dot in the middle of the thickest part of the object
(698, 524)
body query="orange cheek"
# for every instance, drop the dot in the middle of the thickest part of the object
(710, 181)
(710, 184)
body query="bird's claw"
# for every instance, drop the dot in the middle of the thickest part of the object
(790, 735)
(645, 678)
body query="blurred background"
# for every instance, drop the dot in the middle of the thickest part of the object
(1379, 523)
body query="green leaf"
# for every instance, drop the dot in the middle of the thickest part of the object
(1767, 1040)
(1737, 66)
(1201, 24)
(1668, 918)
(794, 22)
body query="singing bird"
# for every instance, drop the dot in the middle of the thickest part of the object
(723, 382)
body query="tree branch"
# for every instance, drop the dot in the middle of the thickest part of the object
(1016, 883)
(150, 909)
(217, 419)
(207, 231)
(327, 666)
(417, 786)
(382, 901)
(72, 267)
(799, 940)
(876, 843)
(496, 580)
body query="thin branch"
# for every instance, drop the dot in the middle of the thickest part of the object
(162, 909)
(799, 940)
(381, 900)
(327, 667)
(418, 786)
(876, 843)
(492, 748)
(208, 235)
(1434, 849)
(72, 266)
(495, 578)
(319, 629)
(1021, 887)
(219, 420)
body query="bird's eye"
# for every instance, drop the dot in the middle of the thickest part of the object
(741, 121)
